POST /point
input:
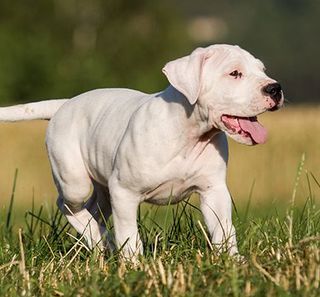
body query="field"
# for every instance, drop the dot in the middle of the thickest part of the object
(276, 190)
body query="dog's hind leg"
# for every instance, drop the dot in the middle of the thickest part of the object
(99, 203)
(74, 184)
(100, 207)
(84, 223)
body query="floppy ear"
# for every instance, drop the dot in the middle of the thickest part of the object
(184, 74)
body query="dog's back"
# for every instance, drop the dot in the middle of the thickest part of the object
(97, 119)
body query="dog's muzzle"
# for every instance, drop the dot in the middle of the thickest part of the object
(274, 91)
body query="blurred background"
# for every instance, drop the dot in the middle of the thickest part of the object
(60, 48)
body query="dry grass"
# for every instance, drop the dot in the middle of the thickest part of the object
(22, 146)
(281, 257)
(271, 167)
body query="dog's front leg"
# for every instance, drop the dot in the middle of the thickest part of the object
(216, 207)
(124, 205)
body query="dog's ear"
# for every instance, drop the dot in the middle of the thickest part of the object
(184, 74)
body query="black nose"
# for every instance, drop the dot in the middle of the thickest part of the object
(274, 91)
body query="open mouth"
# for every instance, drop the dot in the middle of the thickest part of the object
(246, 127)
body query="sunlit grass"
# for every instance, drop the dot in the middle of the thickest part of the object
(281, 257)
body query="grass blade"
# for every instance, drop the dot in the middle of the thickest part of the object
(9, 215)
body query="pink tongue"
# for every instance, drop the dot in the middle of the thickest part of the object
(256, 131)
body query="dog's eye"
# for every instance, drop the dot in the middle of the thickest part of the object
(236, 74)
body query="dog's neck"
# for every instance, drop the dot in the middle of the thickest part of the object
(201, 125)
(203, 119)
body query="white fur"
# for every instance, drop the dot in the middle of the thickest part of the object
(136, 147)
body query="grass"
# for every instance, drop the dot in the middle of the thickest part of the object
(280, 249)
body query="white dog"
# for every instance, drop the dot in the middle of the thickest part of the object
(158, 148)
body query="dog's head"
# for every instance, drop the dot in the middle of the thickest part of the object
(231, 86)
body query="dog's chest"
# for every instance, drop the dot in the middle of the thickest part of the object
(183, 175)
(175, 184)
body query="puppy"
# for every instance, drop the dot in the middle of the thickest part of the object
(133, 147)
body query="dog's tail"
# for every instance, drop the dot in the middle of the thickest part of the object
(43, 110)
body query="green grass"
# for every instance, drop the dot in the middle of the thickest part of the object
(280, 249)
